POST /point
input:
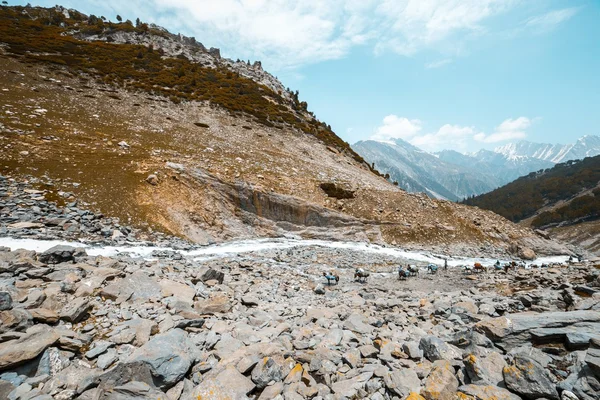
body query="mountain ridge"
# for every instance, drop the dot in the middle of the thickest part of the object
(455, 175)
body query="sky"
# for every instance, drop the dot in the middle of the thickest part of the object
(440, 74)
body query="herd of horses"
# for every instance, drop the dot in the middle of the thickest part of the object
(360, 275)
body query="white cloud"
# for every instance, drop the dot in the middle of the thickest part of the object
(395, 127)
(448, 136)
(414, 24)
(438, 64)
(548, 21)
(285, 34)
(508, 130)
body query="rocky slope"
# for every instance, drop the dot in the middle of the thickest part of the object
(212, 157)
(264, 325)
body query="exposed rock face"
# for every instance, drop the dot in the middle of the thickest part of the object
(334, 190)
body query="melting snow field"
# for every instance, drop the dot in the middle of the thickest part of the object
(249, 246)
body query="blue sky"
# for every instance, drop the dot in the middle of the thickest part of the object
(459, 74)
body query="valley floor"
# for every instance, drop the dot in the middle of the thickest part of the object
(113, 312)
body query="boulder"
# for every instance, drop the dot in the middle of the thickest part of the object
(436, 349)
(482, 392)
(356, 323)
(441, 384)
(76, 310)
(6, 301)
(529, 379)
(138, 286)
(152, 179)
(265, 371)
(27, 347)
(208, 274)
(228, 384)
(135, 390)
(169, 356)
(402, 382)
(216, 304)
(485, 370)
(514, 330)
(58, 254)
(526, 253)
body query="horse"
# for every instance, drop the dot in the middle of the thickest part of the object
(477, 267)
(403, 273)
(432, 268)
(361, 275)
(331, 278)
(413, 270)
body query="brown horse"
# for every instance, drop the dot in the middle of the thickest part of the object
(477, 267)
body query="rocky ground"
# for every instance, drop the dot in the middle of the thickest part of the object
(266, 325)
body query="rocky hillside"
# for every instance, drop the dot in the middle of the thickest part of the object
(564, 196)
(84, 323)
(171, 143)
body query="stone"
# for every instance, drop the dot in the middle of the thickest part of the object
(76, 310)
(214, 305)
(135, 287)
(58, 254)
(100, 346)
(319, 289)
(526, 253)
(265, 371)
(356, 323)
(592, 357)
(271, 392)
(436, 349)
(209, 274)
(152, 179)
(368, 351)
(250, 300)
(26, 225)
(107, 359)
(228, 384)
(441, 384)
(402, 382)
(483, 392)
(169, 356)
(6, 302)
(529, 379)
(15, 352)
(514, 330)
(136, 390)
(44, 315)
(486, 369)
(352, 358)
(413, 350)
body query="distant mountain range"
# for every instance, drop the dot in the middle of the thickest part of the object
(454, 176)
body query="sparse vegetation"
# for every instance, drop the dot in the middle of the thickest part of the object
(43, 36)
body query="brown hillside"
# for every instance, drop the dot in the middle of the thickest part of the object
(238, 176)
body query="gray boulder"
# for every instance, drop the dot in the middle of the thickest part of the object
(265, 371)
(228, 384)
(436, 349)
(15, 352)
(402, 382)
(529, 379)
(169, 356)
(487, 392)
(58, 254)
(76, 310)
(6, 301)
